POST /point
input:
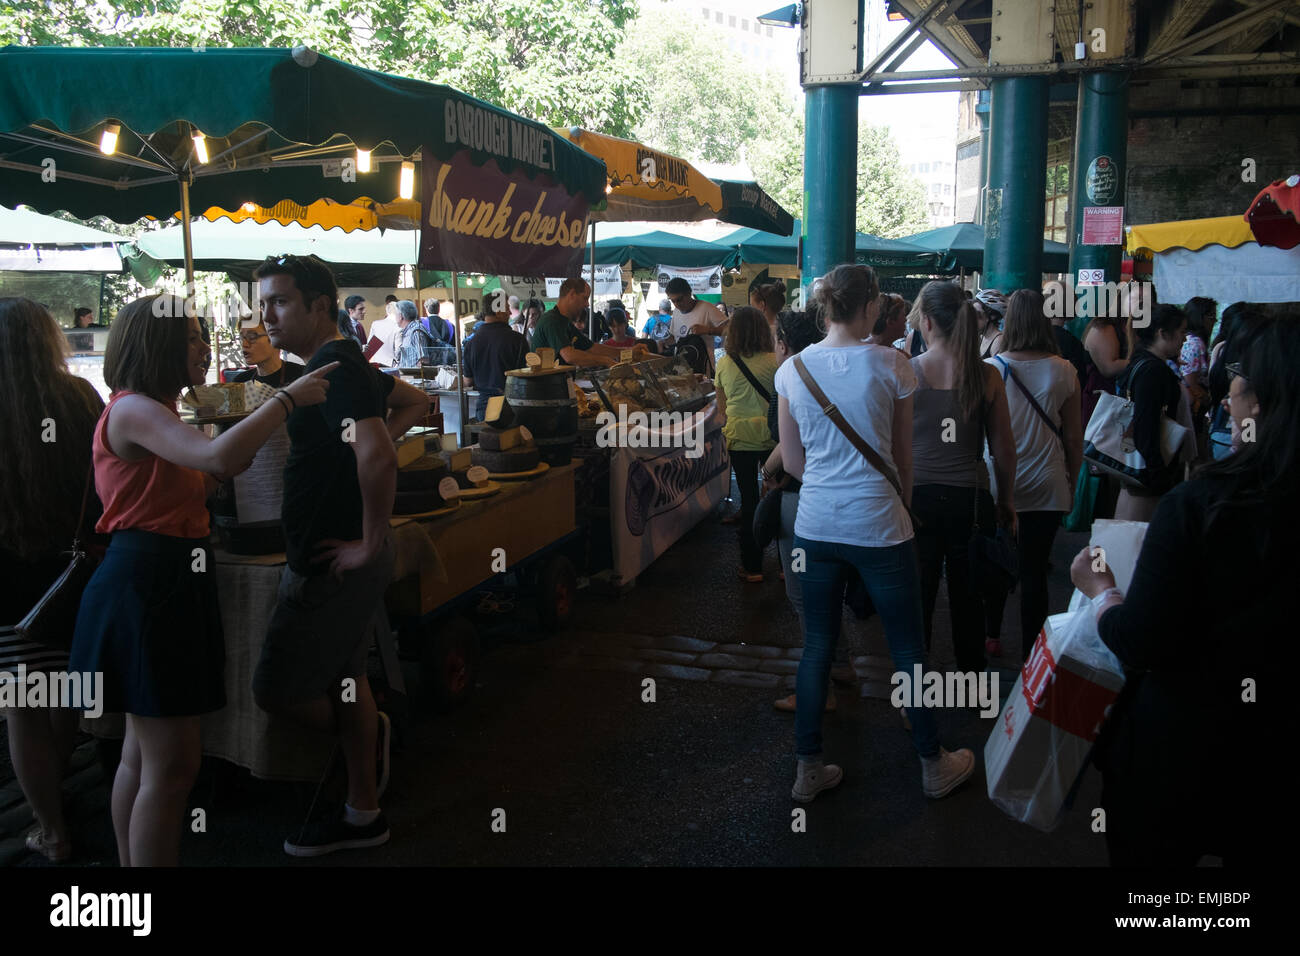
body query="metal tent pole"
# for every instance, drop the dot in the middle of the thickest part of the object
(188, 240)
(461, 404)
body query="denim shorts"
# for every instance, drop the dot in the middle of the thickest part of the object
(320, 631)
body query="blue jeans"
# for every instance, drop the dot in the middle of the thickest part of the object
(893, 579)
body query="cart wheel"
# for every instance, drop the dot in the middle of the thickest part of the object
(449, 666)
(557, 588)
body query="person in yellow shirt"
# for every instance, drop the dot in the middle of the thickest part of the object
(745, 385)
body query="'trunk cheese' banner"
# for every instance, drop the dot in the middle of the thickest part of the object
(479, 219)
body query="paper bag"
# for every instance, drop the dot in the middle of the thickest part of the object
(1048, 725)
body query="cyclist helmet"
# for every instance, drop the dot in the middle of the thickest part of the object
(993, 301)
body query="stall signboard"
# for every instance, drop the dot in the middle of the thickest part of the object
(608, 284)
(480, 219)
(704, 280)
(662, 489)
(525, 287)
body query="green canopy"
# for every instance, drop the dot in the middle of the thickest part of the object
(651, 249)
(752, 245)
(278, 124)
(745, 203)
(961, 246)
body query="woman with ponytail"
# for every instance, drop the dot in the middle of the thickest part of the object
(958, 403)
(853, 518)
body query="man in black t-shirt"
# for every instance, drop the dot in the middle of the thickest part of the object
(339, 483)
(495, 349)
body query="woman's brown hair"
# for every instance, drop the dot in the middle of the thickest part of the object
(771, 294)
(46, 432)
(846, 289)
(891, 303)
(954, 318)
(1027, 327)
(148, 348)
(748, 334)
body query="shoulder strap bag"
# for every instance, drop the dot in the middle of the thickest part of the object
(54, 618)
(858, 442)
(1008, 371)
(740, 363)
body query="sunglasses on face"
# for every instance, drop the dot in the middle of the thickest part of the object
(1234, 371)
(250, 337)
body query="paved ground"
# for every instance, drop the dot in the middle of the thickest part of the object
(558, 737)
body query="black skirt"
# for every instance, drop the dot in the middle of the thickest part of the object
(150, 624)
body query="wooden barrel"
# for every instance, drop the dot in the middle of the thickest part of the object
(541, 400)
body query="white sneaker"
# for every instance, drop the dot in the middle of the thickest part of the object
(814, 777)
(943, 774)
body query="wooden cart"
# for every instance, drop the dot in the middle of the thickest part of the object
(514, 540)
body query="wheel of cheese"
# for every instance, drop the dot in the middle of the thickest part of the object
(422, 474)
(524, 458)
(417, 502)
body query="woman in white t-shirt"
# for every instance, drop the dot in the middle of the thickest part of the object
(1049, 446)
(851, 520)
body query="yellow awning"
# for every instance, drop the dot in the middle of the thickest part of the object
(362, 214)
(646, 184)
(1192, 234)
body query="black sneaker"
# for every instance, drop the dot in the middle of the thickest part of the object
(318, 839)
(383, 748)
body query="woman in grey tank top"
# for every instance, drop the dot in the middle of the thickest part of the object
(957, 403)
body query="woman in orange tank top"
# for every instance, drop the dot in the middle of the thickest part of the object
(149, 621)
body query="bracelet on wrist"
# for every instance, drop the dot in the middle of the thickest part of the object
(285, 393)
(285, 405)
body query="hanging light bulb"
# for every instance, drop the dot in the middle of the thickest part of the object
(406, 187)
(249, 207)
(108, 138)
(363, 160)
(201, 147)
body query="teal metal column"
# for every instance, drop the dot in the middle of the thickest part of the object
(1013, 212)
(982, 114)
(830, 175)
(1097, 178)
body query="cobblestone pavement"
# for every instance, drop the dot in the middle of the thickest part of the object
(558, 737)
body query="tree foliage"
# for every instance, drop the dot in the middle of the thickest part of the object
(705, 102)
(551, 60)
(891, 201)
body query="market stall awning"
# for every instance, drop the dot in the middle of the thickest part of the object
(649, 250)
(961, 246)
(24, 227)
(276, 124)
(30, 242)
(364, 213)
(1190, 234)
(238, 247)
(894, 255)
(745, 203)
(646, 184)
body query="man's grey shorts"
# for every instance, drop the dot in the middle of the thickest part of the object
(320, 631)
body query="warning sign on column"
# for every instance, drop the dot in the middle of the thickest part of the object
(1103, 225)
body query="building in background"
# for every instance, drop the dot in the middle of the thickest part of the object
(767, 47)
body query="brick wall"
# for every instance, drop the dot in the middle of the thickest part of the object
(1190, 166)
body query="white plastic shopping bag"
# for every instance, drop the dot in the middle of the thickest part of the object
(1048, 724)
